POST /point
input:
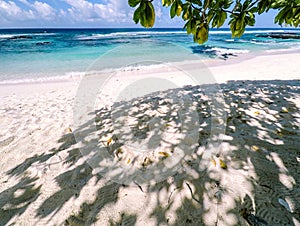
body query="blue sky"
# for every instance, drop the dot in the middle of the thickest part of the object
(86, 13)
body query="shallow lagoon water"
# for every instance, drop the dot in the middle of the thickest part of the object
(47, 54)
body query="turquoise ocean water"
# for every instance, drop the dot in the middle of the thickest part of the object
(47, 54)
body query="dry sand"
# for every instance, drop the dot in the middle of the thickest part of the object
(45, 181)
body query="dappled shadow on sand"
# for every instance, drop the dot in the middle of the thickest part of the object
(254, 178)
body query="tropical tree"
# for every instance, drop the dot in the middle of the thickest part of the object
(201, 15)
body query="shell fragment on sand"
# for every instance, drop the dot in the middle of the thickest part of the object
(213, 161)
(223, 165)
(284, 110)
(164, 154)
(255, 148)
(284, 204)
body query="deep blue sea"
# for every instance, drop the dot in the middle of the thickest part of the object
(45, 54)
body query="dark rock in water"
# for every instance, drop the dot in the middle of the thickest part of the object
(21, 37)
(212, 52)
(225, 56)
(289, 35)
(43, 43)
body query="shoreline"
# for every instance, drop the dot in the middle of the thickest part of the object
(210, 63)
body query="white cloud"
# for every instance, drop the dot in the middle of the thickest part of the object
(112, 13)
(41, 9)
(44, 10)
(11, 12)
(9, 8)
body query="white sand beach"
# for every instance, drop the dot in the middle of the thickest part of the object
(253, 179)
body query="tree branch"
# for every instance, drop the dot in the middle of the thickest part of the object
(195, 8)
(254, 3)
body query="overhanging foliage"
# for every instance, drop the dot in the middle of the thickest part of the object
(201, 15)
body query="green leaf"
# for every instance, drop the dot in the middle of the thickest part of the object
(187, 11)
(215, 21)
(167, 2)
(201, 35)
(134, 3)
(246, 4)
(222, 19)
(143, 6)
(150, 15)
(136, 15)
(296, 23)
(147, 16)
(264, 6)
(237, 26)
(190, 26)
(228, 4)
(193, 26)
(173, 10)
(187, 26)
(179, 9)
(251, 15)
(253, 10)
(210, 15)
(280, 18)
(249, 21)
(176, 8)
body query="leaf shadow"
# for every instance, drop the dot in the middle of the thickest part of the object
(260, 147)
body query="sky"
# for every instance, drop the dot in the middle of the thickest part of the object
(87, 13)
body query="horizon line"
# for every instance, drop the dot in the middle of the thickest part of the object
(141, 28)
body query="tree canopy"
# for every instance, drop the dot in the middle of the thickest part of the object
(201, 15)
